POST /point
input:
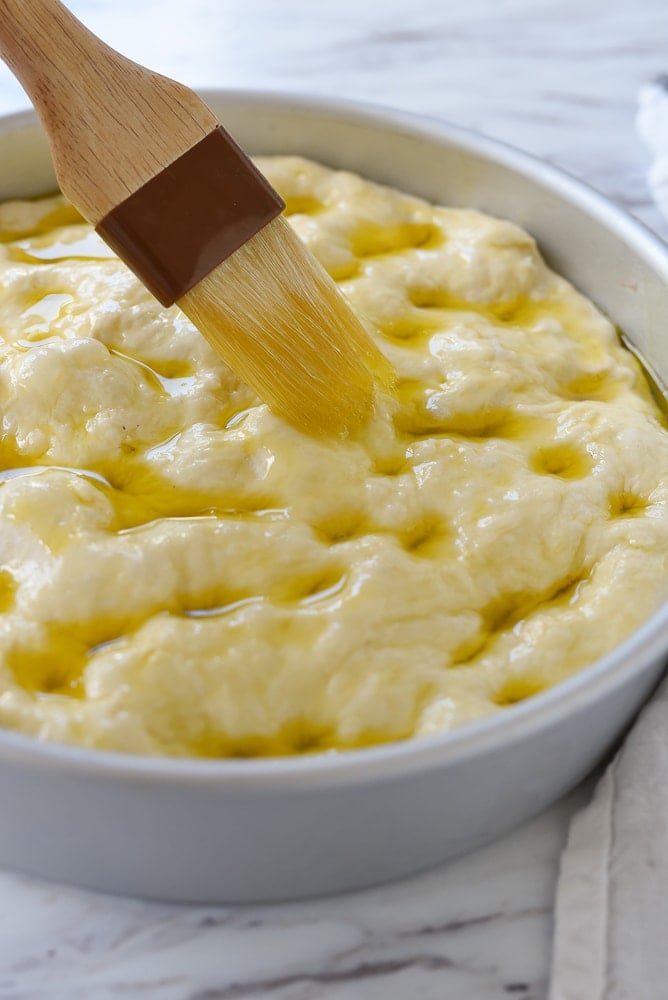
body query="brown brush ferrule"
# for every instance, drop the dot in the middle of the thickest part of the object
(187, 219)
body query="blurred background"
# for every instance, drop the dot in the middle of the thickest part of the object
(558, 78)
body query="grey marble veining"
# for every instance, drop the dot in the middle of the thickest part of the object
(558, 78)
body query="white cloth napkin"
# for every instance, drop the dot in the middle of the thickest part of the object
(611, 934)
(611, 910)
(652, 123)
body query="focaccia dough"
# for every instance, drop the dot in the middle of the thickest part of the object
(183, 573)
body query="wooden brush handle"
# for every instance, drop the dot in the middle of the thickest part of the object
(112, 124)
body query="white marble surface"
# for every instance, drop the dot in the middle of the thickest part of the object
(477, 929)
(558, 78)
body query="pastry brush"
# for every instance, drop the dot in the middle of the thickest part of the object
(144, 159)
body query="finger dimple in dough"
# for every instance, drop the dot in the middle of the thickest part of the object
(182, 573)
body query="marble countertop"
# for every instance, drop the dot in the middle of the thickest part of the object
(558, 78)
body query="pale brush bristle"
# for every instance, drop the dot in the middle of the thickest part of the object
(279, 321)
